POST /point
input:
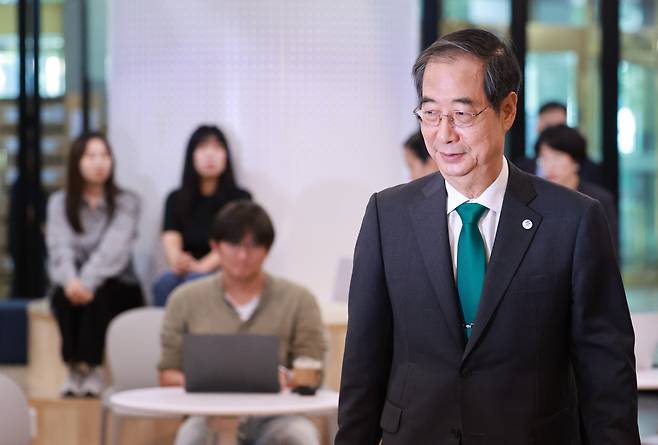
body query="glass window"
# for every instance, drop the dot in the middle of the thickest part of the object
(560, 12)
(634, 15)
(54, 89)
(52, 68)
(562, 65)
(477, 12)
(8, 51)
(551, 76)
(9, 91)
(637, 121)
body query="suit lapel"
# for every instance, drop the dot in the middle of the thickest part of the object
(511, 243)
(430, 225)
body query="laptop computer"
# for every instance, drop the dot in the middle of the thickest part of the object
(231, 363)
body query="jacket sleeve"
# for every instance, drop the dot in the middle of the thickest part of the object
(60, 242)
(602, 338)
(115, 248)
(172, 331)
(308, 338)
(368, 346)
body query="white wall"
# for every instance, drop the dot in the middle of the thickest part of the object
(315, 96)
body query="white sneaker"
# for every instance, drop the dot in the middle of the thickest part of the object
(93, 382)
(72, 385)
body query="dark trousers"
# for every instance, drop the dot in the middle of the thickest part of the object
(83, 327)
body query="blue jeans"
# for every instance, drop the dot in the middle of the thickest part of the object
(283, 430)
(169, 281)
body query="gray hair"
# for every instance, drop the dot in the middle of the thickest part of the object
(502, 74)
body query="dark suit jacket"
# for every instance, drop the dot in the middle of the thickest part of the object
(608, 202)
(552, 297)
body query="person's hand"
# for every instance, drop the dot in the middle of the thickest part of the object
(200, 266)
(285, 378)
(183, 263)
(172, 377)
(85, 296)
(72, 290)
(207, 264)
(77, 293)
(196, 266)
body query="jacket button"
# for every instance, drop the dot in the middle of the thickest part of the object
(455, 433)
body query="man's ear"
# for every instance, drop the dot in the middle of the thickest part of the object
(508, 109)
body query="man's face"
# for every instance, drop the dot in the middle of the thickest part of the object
(550, 118)
(241, 261)
(469, 154)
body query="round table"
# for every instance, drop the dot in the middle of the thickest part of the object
(223, 409)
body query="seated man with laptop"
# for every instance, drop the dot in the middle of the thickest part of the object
(241, 299)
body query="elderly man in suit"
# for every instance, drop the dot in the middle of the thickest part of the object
(480, 293)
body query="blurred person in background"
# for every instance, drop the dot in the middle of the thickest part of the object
(91, 227)
(207, 185)
(550, 114)
(417, 158)
(561, 151)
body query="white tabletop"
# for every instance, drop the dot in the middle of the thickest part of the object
(174, 400)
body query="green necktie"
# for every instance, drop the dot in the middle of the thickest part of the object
(471, 262)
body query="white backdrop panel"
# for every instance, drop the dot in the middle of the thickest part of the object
(315, 97)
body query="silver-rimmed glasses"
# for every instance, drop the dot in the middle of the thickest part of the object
(457, 118)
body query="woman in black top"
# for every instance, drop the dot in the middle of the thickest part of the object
(208, 184)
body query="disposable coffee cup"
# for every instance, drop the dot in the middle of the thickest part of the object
(306, 375)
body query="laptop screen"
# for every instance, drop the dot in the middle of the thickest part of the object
(231, 363)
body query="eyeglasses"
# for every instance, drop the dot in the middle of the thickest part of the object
(247, 246)
(456, 118)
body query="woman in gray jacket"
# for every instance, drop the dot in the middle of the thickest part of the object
(90, 231)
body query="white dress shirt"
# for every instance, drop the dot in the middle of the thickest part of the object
(492, 199)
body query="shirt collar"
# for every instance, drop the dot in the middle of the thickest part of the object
(491, 198)
(102, 203)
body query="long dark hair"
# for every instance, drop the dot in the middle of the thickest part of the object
(190, 189)
(75, 183)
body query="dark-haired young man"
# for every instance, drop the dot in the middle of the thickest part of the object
(550, 114)
(476, 291)
(243, 299)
